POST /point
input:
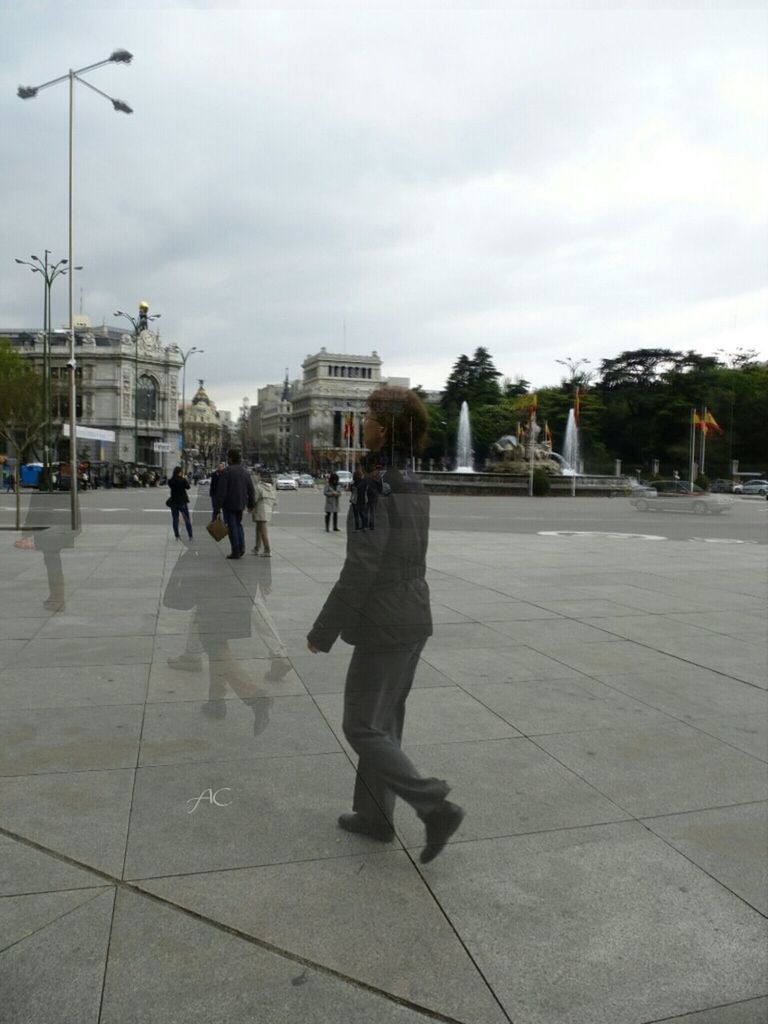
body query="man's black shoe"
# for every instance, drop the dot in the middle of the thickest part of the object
(238, 555)
(357, 824)
(440, 824)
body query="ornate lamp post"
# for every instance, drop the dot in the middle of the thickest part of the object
(26, 92)
(50, 272)
(139, 323)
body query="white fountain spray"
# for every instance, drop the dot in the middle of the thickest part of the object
(464, 442)
(571, 447)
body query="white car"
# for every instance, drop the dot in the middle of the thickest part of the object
(286, 483)
(345, 478)
(755, 487)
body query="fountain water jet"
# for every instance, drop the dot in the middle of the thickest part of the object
(571, 446)
(464, 442)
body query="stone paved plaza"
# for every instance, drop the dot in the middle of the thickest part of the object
(169, 787)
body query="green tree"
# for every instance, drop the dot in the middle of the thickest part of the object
(21, 408)
(474, 381)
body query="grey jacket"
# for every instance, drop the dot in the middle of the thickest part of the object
(381, 599)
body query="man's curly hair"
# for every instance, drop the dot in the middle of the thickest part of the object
(404, 418)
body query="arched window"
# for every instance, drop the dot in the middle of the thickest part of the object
(146, 399)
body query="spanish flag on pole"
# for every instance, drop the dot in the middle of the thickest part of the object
(520, 431)
(712, 423)
(349, 426)
(533, 406)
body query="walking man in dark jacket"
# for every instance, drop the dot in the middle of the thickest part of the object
(234, 494)
(380, 605)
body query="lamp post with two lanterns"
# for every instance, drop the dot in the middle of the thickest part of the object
(26, 92)
(50, 272)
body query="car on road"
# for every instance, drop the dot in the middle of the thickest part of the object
(724, 487)
(306, 480)
(286, 483)
(755, 487)
(680, 496)
(345, 478)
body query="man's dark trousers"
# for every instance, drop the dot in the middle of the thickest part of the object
(234, 521)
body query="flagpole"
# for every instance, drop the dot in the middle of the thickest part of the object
(692, 447)
(531, 422)
(703, 436)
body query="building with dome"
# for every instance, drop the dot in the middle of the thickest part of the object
(202, 429)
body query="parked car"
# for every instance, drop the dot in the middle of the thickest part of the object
(755, 487)
(680, 496)
(306, 480)
(724, 487)
(286, 483)
(345, 478)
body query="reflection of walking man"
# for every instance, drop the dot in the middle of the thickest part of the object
(234, 494)
(380, 605)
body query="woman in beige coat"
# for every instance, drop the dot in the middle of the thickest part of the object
(266, 503)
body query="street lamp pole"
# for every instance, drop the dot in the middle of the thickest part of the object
(26, 93)
(184, 357)
(50, 272)
(139, 323)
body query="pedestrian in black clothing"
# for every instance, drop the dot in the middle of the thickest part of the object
(235, 493)
(215, 477)
(358, 498)
(179, 502)
(380, 605)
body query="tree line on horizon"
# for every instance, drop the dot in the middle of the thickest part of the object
(635, 407)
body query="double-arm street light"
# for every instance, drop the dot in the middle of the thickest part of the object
(50, 272)
(139, 323)
(184, 357)
(26, 93)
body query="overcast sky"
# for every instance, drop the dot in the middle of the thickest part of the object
(550, 184)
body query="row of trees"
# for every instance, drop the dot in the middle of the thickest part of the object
(635, 407)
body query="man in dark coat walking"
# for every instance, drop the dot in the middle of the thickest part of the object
(380, 605)
(234, 494)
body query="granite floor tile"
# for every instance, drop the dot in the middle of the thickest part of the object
(660, 769)
(56, 974)
(25, 870)
(83, 815)
(198, 974)
(207, 817)
(729, 843)
(41, 740)
(416, 956)
(579, 915)
(71, 686)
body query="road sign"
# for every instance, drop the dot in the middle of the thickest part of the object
(161, 446)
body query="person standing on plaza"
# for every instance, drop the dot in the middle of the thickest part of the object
(215, 477)
(266, 504)
(179, 502)
(380, 605)
(332, 495)
(235, 493)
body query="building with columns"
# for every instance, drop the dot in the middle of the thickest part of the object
(126, 384)
(328, 407)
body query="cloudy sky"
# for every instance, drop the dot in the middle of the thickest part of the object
(550, 183)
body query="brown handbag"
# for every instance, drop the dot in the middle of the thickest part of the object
(218, 529)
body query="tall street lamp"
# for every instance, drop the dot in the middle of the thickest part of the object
(50, 272)
(184, 357)
(26, 93)
(139, 323)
